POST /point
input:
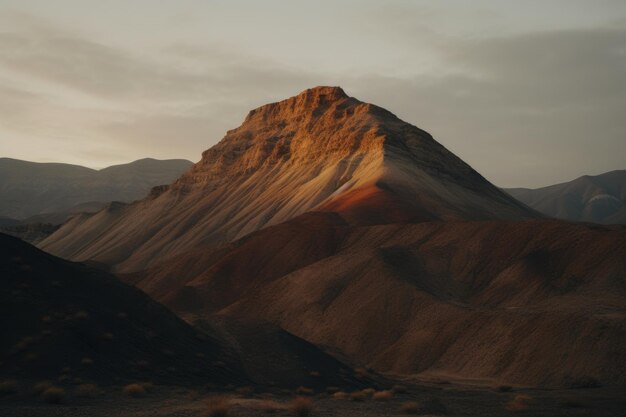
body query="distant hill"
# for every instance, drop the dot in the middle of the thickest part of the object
(31, 188)
(590, 198)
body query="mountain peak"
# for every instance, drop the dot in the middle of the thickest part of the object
(310, 101)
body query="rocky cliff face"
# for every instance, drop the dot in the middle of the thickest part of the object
(320, 150)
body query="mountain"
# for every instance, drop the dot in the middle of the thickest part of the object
(536, 302)
(61, 318)
(318, 151)
(590, 198)
(30, 188)
(338, 223)
(63, 321)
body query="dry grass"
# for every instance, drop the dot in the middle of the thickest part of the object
(8, 386)
(217, 407)
(382, 395)
(53, 395)
(135, 390)
(304, 391)
(301, 407)
(410, 407)
(520, 402)
(87, 390)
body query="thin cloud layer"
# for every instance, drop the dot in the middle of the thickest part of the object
(524, 108)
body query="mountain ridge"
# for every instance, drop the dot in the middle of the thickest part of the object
(318, 150)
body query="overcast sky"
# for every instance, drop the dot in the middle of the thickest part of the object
(529, 93)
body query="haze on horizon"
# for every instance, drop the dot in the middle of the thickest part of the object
(528, 93)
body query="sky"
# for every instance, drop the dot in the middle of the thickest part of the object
(529, 93)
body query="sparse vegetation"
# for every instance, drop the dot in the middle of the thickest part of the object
(217, 407)
(135, 390)
(399, 389)
(41, 386)
(301, 406)
(8, 386)
(382, 395)
(358, 396)
(410, 407)
(304, 391)
(87, 390)
(269, 406)
(332, 390)
(53, 395)
(340, 395)
(520, 402)
(245, 391)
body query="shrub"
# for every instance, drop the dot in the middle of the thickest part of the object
(86, 361)
(7, 387)
(410, 407)
(53, 395)
(87, 390)
(304, 391)
(368, 391)
(41, 386)
(301, 407)
(245, 391)
(217, 407)
(504, 388)
(399, 389)
(571, 403)
(519, 403)
(269, 406)
(383, 395)
(135, 390)
(358, 396)
(340, 395)
(332, 390)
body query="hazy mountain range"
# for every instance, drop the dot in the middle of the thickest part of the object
(590, 198)
(31, 188)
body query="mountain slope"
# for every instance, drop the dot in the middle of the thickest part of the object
(597, 198)
(537, 303)
(320, 150)
(56, 314)
(30, 188)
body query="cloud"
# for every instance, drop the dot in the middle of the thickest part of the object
(523, 108)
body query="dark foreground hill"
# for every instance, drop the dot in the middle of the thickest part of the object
(66, 322)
